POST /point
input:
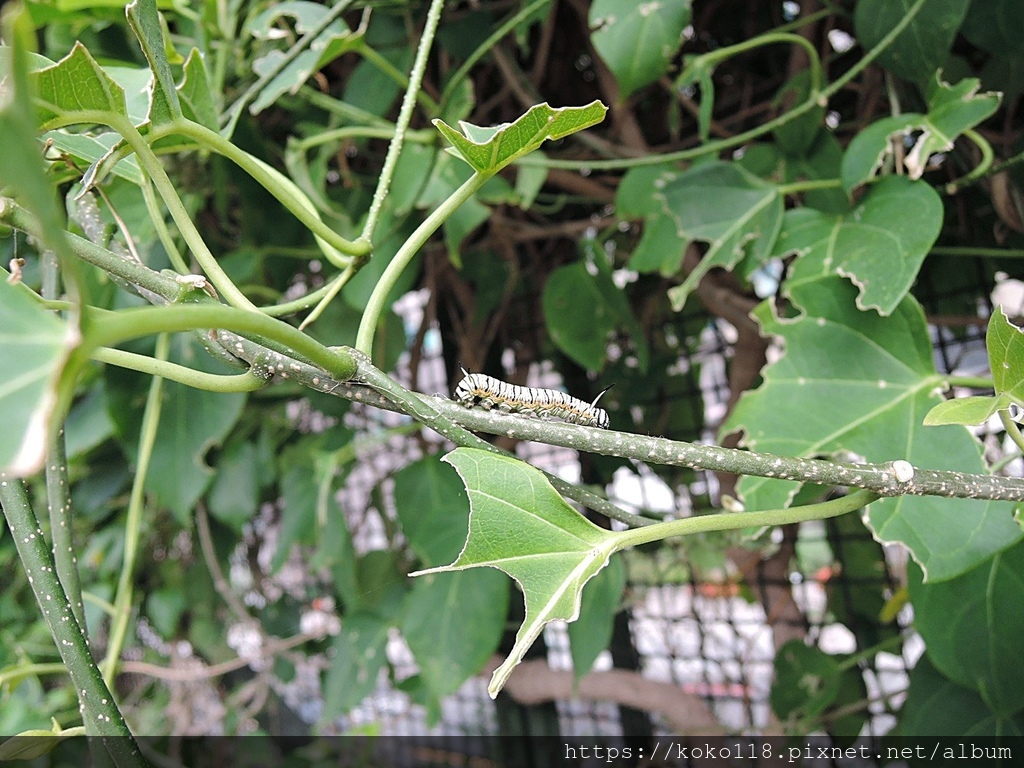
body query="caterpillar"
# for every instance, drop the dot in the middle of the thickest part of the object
(488, 392)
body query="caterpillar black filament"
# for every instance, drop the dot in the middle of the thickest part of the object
(487, 392)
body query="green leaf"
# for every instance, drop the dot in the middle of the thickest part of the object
(806, 680)
(1005, 343)
(856, 382)
(335, 40)
(75, 89)
(29, 745)
(972, 626)
(877, 246)
(994, 25)
(582, 336)
(923, 46)
(796, 137)
(234, 496)
(298, 517)
(191, 423)
(145, 23)
(856, 598)
(92, 148)
(488, 150)
(453, 623)
(637, 40)
(359, 653)
(937, 705)
(519, 524)
(197, 100)
(35, 346)
(432, 508)
(969, 411)
(736, 213)
(592, 632)
(952, 109)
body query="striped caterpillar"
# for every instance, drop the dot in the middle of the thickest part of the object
(488, 392)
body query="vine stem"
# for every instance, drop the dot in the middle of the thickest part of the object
(738, 520)
(133, 523)
(165, 187)
(404, 116)
(96, 702)
(270, 179)
(711, 147)
(182, 374)
(115, 327)
(397, 265)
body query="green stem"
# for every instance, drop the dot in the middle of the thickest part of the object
(995, 253)
(1012, 429)
(503, 29)
(771, 38)
(343, 109)
(133, 523)
(162, 232)
(332, 291)
(58, 484)
(981, 169)
(807, 185)
(714, 147)
(97, 702)
(973, 382)
(389, 69)
(270, 179)
(137, 274)
(404, 116)
(10, 677)
(151, 164)
(115, 327)
(732, 521)
(375, 305)
(299, 304)
(235, 111)
(211, 382)
(359, 132)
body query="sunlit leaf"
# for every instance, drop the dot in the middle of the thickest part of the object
(490, 149)
(519, 524)
(855, 382)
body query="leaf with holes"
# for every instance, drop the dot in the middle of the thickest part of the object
(952, 109)
(877, 246)
(856, 382)
(736, 213)
(520, 525)
(489, 149)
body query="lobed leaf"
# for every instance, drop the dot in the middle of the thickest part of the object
(520, 525)
(876, 245)
(856, 383)
(952, 109)
(719, 203)
(489, 149)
